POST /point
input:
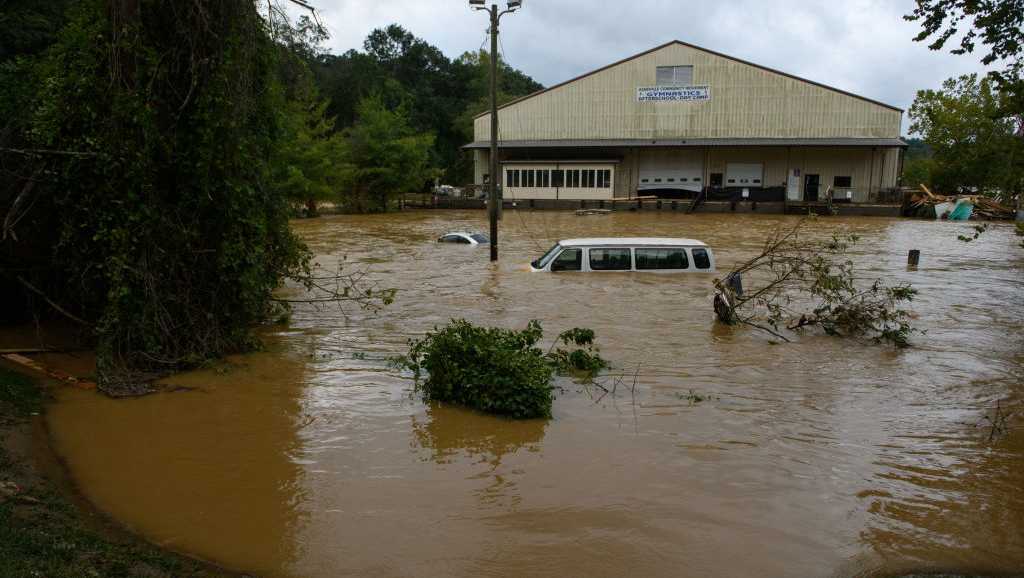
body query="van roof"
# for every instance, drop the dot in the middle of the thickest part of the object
(632, 241)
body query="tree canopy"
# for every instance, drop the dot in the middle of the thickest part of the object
(386, 154)
(437, 93)
(997, 24)
(154, 151)
(140, 201)
(975, 148)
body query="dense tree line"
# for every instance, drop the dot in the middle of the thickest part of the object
(439, 95)
(153, 152)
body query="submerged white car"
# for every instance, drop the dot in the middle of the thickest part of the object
(644, 254)
(464, 238)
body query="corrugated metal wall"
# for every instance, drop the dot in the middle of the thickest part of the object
(746, 102)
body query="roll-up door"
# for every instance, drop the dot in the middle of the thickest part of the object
(681, 170)
(747, 175)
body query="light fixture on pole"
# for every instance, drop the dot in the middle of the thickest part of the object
(492, 202)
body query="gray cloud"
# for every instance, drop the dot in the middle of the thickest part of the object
(862, 46)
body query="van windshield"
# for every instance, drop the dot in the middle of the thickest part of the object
(543, 261)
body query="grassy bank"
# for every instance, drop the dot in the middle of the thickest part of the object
(43, 532)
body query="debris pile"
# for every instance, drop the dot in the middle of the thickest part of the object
(924, 203)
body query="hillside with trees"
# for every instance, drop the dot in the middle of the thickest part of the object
(439, 95)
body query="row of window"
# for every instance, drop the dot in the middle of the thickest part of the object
(672, 180)
(837, 182)
(559, 178)
(619, 259)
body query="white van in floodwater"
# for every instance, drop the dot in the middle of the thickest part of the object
(643, 254)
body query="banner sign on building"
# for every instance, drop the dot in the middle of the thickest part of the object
(673, 93)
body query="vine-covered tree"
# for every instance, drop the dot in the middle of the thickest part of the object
(141, 145)
(975, 148)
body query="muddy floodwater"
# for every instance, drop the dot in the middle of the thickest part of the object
(733, 456)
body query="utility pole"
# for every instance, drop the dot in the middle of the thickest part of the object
(492, 200)
(492, 204)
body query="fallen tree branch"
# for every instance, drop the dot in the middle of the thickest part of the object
(34, 152)
(13, 218)
(58, 308)
(802, 283)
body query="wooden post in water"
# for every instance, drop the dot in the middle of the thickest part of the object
(913, 257)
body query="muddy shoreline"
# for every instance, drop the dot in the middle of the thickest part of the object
(42, 476)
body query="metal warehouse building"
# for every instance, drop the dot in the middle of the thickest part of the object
(679, 120)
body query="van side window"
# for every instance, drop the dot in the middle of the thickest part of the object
(653, 259)
(610, 260)
(701, 259)
(568, 260)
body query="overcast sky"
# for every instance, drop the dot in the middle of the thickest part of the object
(862, 46)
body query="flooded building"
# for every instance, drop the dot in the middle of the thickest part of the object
(679, 121)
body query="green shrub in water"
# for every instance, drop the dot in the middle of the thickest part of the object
(494, 370)
(583, 360)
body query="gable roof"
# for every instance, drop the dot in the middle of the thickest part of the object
(695, 47)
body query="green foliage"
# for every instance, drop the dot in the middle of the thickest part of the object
(976, 149)
(999, 25)
(494, 370)
(583, 360)
(169, 237)
(918, 171)
(310, 162)
(811, 284)
(387, 156)
(499, 371)
(693, 397)
(978, 230)
(29, 26)
(440, 95)
(918, 163)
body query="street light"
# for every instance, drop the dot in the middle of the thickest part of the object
(492, 203)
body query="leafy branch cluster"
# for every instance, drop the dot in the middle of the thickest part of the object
(978, 230)
(803, 283)
(998, 24)
(495, 370)
(582, 358)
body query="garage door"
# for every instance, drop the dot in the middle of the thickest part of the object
(678, 170)
(747, 175)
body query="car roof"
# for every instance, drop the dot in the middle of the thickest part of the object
(632, 241)
(463, 233)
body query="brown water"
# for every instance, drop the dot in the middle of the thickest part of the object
(823, 457)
